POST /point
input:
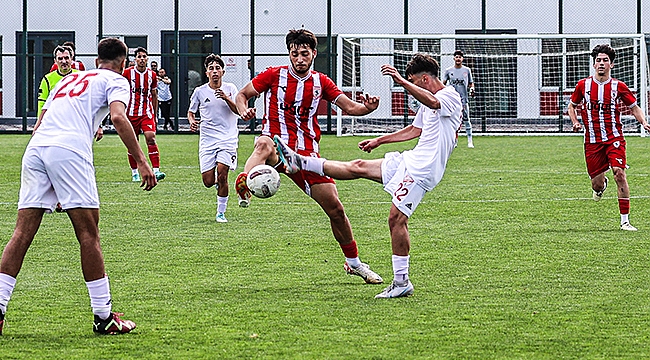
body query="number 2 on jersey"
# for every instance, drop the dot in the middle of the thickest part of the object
(401, 192)
(71, 80)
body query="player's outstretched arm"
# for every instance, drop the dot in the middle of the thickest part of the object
(640, 117)
(367, 105)
(127, 135)
(405, 134)
(422, 95)
(241, 100)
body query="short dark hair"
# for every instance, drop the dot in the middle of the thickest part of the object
(61, 48)
(459, 52)
(154, 62)
(422, 63)
(211, 58)
(301, 37)
(604, 49)
(110, 49)
(70, 44)
(140, 49)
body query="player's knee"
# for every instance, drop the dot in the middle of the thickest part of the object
(619, 176)
(264, 146)
(222, 179)
(396, 219)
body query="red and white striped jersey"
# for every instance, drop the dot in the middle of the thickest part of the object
(142, 84)
(291, 104)
(601, 108)
(78, 65)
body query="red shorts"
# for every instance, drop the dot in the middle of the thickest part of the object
(142, 123)
(601, 156)
(306, 179)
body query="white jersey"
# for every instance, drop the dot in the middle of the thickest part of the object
(427, 161)
(76, 107)
(218, 122)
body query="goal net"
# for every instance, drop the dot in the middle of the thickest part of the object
(523, 83)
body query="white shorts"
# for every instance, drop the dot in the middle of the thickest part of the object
(407, 194)
(53, 174)
(210, 157)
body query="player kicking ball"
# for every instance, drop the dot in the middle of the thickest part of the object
(409, 175)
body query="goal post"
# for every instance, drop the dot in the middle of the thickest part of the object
(523, 82)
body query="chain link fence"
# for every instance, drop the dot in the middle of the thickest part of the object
(249, 36)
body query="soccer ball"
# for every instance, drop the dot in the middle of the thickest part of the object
(263, 181)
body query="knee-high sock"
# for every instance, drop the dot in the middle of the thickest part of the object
(132, 162)
(7, 284)
(154, 156)
(100, 297)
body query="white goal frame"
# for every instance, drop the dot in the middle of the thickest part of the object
(376, 49)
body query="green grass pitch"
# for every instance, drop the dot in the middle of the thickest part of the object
(510, 259)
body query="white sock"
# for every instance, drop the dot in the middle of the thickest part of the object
(7, 284)
(134, 171)
(353, 262)
(313, 164)
(625, 218)
(222, 203)
(401, 267)
(156, 169)
(100, 297)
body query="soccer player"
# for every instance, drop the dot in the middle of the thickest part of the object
(293, 93)
(58, 165)
(460, 77)
(62, 60)
(407, 176)
(601, 97)
(219, 137)
(143, 108)
(77, 65)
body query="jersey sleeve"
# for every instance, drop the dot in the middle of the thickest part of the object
(417, 121)
(43, 92)
(330, 91)
(194, 101)
(264, 80)
(81, 66)
(470, 80)
(154, 80)
(448, 103)
(578, 93)
(626, 95)
(118, 90)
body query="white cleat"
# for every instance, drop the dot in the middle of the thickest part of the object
(291, 160)
(363, 270)
(221, 218)
(627, 227)
(599, 194)
(396, 289)
(470, 145)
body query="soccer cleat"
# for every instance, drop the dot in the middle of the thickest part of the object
(599, 194)
(363, 270)
(396, 289)
(221, 218)
(2, 321)
(243, 194)
(627, 227)
(159, 175)
(136, 178)
(291, 160)
(470, 145)
(113, 325)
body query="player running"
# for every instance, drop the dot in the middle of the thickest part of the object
(58, 166)
(292, 94)
(601, 97)
(219, 137)
(143, 108)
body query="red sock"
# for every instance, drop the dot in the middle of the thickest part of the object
(624, 206)
(154, 156)
(132, 162)
(350, 250)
